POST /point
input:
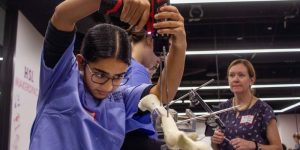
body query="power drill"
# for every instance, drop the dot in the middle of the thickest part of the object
(160, 42)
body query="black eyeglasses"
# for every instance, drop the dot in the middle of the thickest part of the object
(102, 78)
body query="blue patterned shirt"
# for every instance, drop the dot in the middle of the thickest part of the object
(250, 124)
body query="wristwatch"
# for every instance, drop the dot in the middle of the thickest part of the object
(258, 146)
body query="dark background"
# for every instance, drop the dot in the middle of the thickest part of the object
(222, 26)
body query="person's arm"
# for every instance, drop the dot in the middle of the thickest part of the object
(55, 44)
(273, 137)
(70, 11)
(176, 57)
(216, 139)
(134, 12)
(60, 31)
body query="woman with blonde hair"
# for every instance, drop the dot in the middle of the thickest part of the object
(253, 124)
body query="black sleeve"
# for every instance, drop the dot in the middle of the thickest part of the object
(55, 44)
(145, 93)
(147, 90)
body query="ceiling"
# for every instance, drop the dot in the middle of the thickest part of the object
(222, 26)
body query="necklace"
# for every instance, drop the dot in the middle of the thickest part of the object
(242, 107)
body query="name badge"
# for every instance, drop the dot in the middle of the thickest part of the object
(247, 119)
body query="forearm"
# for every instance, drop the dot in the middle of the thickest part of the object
(174, 72)
(70, 11)
(273, 137)
(273, 147)
(175, 68)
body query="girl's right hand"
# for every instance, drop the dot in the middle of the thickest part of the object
(136, 12)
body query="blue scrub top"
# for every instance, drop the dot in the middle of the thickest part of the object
(64, 108)
(138, 75)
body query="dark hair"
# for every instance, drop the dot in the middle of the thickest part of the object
(105, 41)
(136, 37)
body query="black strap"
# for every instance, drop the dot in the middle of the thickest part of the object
(256, 145)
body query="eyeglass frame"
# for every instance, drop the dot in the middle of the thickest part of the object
(107, 78)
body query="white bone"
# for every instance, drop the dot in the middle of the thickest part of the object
(192, 135)
(149, 102)
(173, 137)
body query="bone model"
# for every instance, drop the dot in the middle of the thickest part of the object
(173, 137)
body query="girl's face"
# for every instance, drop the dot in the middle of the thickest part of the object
(239, 79)
(104, 76)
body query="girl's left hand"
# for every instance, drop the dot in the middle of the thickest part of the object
(170, 21)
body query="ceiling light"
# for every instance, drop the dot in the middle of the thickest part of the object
(280, 99)
(1, 58)
(269, 28)
(275, 111)
(245, 51)
(253, 86)
(239, 38)
(206, 101)
(263, 99)
(287, 108)
(195, 113)
(215, 1)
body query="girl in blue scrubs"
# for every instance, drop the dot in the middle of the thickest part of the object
(141, 135)
(81, 104)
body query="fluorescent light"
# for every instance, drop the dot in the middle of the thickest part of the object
(203, 88)
(287, 108)
(206, 101)
(253, 86)
(215, 1)
(275, 86)
(263, 99)
(195, 113)
(275, 111)
(280, 99)
(244, 51)
(1, 58)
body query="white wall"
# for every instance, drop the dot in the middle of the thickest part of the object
(25, 83)
(287, 126)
